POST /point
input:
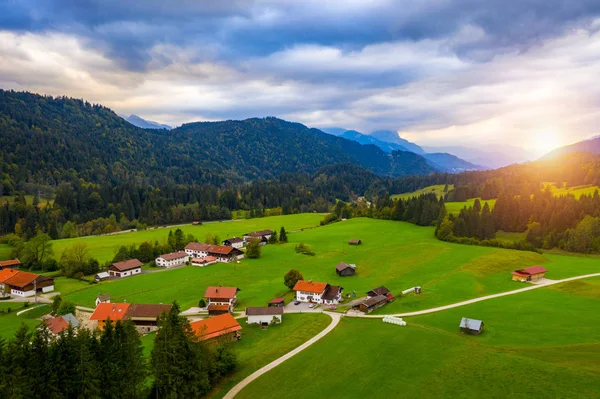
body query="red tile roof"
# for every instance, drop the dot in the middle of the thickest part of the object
(174, 255)
(220, 292)
(57, 325)
(310, 286)
(215, 326)
(205, 259)
(10, 263)
(114, 311)
(220, 249)
(5, 274)
(197, 246)
(214, 306)
(23, 279)
(127, 265)
(529, 271)
(141, 310)
(277, 300)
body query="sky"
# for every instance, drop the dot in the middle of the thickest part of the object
(440, 72)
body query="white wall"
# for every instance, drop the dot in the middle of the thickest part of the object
(48, 288)
(263, 319)
(22, 294)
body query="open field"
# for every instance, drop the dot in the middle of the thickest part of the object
(10, 322)
(29, 198)
(543, 343)
(510, 236)
(4, 251)
(577, 191)
(438, 189)
(455, 207)
(395, 254)
(103, 248)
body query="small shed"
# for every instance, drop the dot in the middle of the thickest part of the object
(354, 241)
(345, 269)
(372, 303)
(533, 273)
(102, 298)
(277, 303)
(102, 276)
(264, 316)
(471, 326)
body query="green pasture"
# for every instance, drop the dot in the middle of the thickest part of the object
(437, 189)
(455, 207)
(543, 344)
(510, 236)
(4, 251)
(395, 254)
(10, 322)
(104, 248)
(576, 191)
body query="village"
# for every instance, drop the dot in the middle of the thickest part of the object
(219, 318)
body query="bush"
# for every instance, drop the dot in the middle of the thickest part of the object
(304, 249)
(202, 303)
(253, 249)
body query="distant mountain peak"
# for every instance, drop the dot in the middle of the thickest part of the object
(145, 124)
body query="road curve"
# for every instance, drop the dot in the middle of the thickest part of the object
(470, 301)
(335, 319)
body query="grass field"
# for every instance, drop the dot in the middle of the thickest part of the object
(4, 251)
(10, 322)
(542, 344)
(577, 191)
(455, 207)
(510, 237)
(103, 248)
(395, 254)
(438, 189)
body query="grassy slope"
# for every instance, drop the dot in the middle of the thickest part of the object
(542, 344)
(438, 189)
(10, 322)
(103, 248)
(398, 255)
(4, 251)
(577, 191)
(455, 207)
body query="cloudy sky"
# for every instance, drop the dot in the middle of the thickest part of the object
(523, 72)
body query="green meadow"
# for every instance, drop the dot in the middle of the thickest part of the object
(104, 248)
(455, 207)
(10, 322)
(542, 343)
(395, 254)
(4, 251)
(437, 189)
(576, 191)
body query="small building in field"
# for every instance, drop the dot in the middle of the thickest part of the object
(471, 326)
(145, 316)
(533, 273)
(25, 284)
(125, 268)
(106, 311)
(277, 302)
(10, 264)
(58, 324)
(310, 291)
(205, 261)
(263, 235)
(172, 259)
(223, 328)
(101, 276)
(345, 269)
(221, 300)
(224, 253)
(264, 316)
(196, 223)
(354, 241)
(332, 295)
(372, 303)
(235, 242)
(378, 291)
(102, 298)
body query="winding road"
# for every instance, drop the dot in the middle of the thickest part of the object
(335, 319)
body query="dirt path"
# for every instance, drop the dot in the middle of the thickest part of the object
(335, 319)
(475, 300)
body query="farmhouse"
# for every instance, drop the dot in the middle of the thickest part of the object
(262, 234)
(235, 242)
(106, 311)
(205, 261)
(277, 302)
(24, 284)
(197, 250)
(471, 326)
(264, 316)
(224, 327)
(221, 300)
(102, 276)
(58, 324)
(173, 259)
(125, 268)
(378, 291)
(354, 241)
(533, 273)
(372, 303)
(224, 253)
(145, 316)
(332, 295)
(102, 298)
(345, 269)
(262, 241)
(12, 264)
(5, 274)
(310, 291)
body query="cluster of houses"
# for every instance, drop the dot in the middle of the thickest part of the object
(14, 282)
(143, 316)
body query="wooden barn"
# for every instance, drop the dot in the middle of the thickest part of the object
(471, 326)
(533, 273)
(345, 269)
(372, 303)
(224, 328)
(354, 241)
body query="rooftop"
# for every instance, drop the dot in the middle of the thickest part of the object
(221, 292)
(114, 311)
(127, 265)
(269, 311)
(174, 255)
(310, 286)
(332, 292)
(10, 262)
(471, 324)
(215, 326)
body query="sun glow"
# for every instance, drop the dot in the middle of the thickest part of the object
(545, 141)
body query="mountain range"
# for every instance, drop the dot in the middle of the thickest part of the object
(144, 123)
(592, 145)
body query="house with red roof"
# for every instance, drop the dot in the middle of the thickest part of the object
(533, 273)
(143, 316)
(222, 253)
(125, 268)
(316, 292)
(24, 284)
(106, 311)
(11, 263)
(223, 327)
(58, 324)
(221, 300)
(173, 259)
(205, 261)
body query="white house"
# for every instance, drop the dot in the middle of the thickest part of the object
(332, 295)
(310, 291)
(220, 300)
(102, 298)
(262, 234)
(197, 249)
(173, 259)
(234, 242)
(264, 316)
(125, 268)
(24, 284)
